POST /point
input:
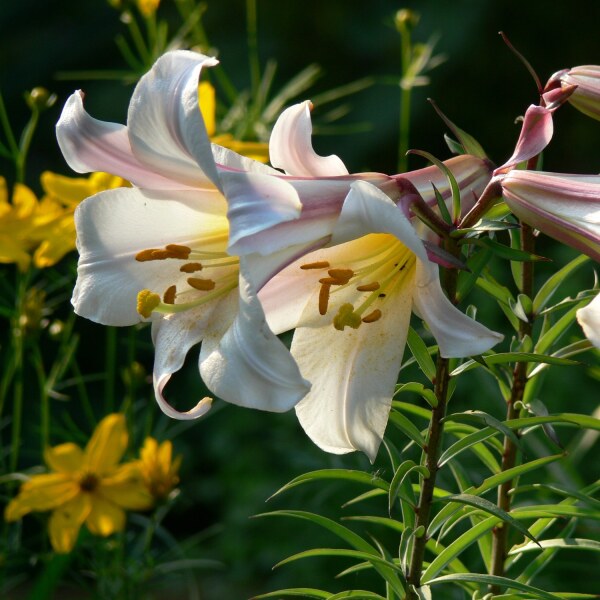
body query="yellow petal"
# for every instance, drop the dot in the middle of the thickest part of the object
(65, 458)
(3, 191)
(11, 251)
(41, 493)
(207, 102)
(107, 445)
(130, 496)
(105, 517)
(68, 190)
(24, 201)
(165, 453)
(66, 521)
(149, 449)
(60, 240)
(105, 181)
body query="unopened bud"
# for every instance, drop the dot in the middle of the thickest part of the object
(39, 98)
(406, 19)
(584, 83)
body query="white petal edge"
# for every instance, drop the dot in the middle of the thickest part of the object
(589, 319)
(290, 146)
(246, 364)
(457, 335)
(165, 126)
(90, 145)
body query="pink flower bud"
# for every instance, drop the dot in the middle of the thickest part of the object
(586, 96)
(565, 207)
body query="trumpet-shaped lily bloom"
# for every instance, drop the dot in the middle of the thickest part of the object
(585, 82)
(172, 249)
(589, 319)
(351, 305)
(565, 207)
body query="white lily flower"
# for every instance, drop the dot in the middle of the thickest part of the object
(205, 229)
(159, 251)
(589, 319)
(351, 305)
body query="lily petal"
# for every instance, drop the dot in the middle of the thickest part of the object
(92, 145)
(290, 146)
(352, 372)
(589, 319)
(115, 225)
(248, 351)
(456, 334)
(165, 125)
(536, 133)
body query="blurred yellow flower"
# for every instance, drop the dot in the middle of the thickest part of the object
(44, 228)
(147, 7)
(254, 150)
(158, 468)
(85, 486)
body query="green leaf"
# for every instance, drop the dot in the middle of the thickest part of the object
(491, 508)
(463, 444)
(365, 550)
(553, 283)
(418, 388)
(467, 280)
(494, 580)
(508, 357)
(508, 253)
(419, 351)
(558, 329)
(456, 547)
(451, 180)
(417, 411)
(571, 543)
(295, 592)
(405, 469)
(339, 474)
(373, 559)
(359, 594)
(486, 419)
(407, 427)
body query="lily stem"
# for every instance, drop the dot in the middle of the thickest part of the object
(432, 449)
(509, 455)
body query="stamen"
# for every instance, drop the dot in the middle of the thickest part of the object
(191, 267)
(178, 251)
(324, 298)
(147, 301)
(369, 287)
(372, 316)
(322, 264)
(330, 281)
(204, 285)
(346, 317)
(342, 275)
(145, 255)
(169, 295)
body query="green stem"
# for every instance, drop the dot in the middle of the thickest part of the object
(431, 452)
(26, 138)
(509, 455)
(110, 368)
(251, 23)
(405, 99)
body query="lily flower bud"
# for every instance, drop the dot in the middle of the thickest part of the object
(586, 96)
(565, 207)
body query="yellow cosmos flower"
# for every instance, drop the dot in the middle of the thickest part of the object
(85, 486)
(255, 150)
(158, 468)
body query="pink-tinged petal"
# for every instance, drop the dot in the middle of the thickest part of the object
(353, 373)
(115, 225)
(247, 351)
(589, 319)
(165, 126)
(586, 96)
(290, 146)
(565, 207)
(536, 133)
(456, 334)
(173, 336)
(228, 160)
(256, 203)
(91, 145)
(368, 210)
